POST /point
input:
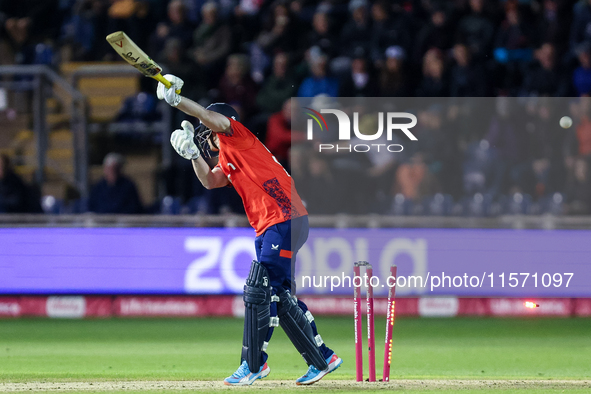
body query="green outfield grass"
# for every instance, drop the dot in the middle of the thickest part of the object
(209, 349)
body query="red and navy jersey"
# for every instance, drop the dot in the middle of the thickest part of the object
(267, 190)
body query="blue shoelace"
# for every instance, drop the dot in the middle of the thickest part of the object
(242, 371)
(311, 369)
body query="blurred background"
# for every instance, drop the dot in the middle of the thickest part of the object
(479, 157)
(83, 132)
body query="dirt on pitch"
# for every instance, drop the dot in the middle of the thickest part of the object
(333, 385)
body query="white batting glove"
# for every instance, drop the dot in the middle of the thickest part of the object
(170, 95)
(182, 141)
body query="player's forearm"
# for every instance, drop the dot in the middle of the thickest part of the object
(203, 172)
(216, 122)
(206, 176)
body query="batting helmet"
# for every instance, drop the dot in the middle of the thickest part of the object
(203, 133)
(224, 109)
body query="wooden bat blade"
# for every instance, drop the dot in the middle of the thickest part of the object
(133, 55)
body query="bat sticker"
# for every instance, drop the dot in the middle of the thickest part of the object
(129, 55)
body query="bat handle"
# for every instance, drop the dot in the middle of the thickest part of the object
(165, 82)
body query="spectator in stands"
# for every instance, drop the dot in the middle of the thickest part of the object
(551, 25)
(176, 27)
(578, 188)
(278, 87)
(356, 32)
(578, 138)
(583, 129)
(476, 30)
(280, 136)
(467, 78)
(176, 62)
(319, 82)
(514, 33)
(434, 82)
(316, 183)
(388, 29)
(280, 31)
(15, 195)
(223, 200)
(512, 166)
(414, 180)
(246, 21)
(141, 107)
(28, 19)
(23, 24)
(131, 16)
(237, 87)
(192, 10)
(544, 78)
(437, 33)
(436, 143)
(394, 81)
(582, 74)
(17, 28)
(360, 81)
(513, 43)
(513, 48)
(81, 31)
(382, 168)
(248, 7)
(212, 42)
(115, 193)
(545, 146)
(321, 35)
(580, 31)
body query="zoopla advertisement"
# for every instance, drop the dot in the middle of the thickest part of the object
(438, 262)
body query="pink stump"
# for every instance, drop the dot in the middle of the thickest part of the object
(371, 339)
(389, 324)
(357, 315)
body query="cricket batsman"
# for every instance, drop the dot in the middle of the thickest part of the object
(280, 220)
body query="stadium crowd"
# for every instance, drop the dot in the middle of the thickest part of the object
(256, 54)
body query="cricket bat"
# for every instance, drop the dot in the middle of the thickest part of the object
(133, 55)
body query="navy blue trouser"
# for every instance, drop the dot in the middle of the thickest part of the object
(276, 250)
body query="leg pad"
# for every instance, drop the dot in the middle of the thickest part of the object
(297, 326)
(257, 315)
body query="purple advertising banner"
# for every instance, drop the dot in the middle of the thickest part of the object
(459, 262)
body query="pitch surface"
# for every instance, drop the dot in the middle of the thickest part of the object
(176, 355)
